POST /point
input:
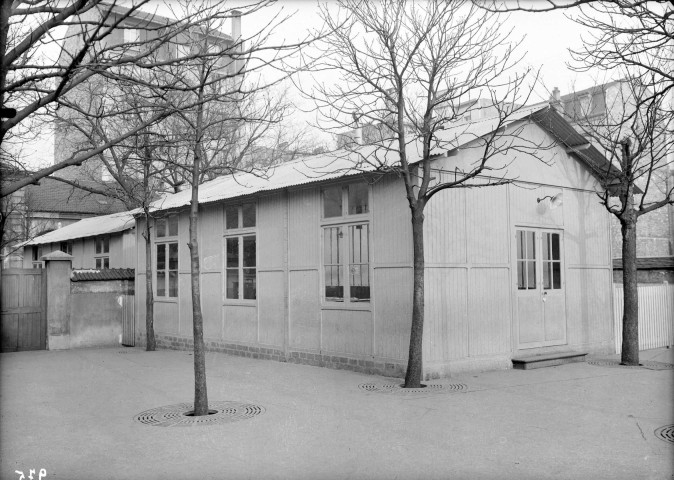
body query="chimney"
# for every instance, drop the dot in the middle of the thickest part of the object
(556, 100)
(236, 25)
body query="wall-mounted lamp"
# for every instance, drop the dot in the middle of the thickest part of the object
(555, 201)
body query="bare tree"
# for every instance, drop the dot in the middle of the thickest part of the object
(634, 41)
(39, 67)
(409, 72)
(635, 134)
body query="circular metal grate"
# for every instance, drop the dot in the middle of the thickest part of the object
(397, 388)
(648, 364)
(665, 433)
(179, 415)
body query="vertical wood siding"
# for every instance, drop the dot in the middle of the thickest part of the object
(210, 239)
(656, 316)
(525, 210)
(241, 323)
(588, 305)
(347, 331)
(487, 224)
(271, 230)
(271, 303)
(392, 227)
(446, 314)
(166, 317)
(586, 235)
(303, 232)
(445, 228)
(489, 310)
(305, 314)
(211, 305)
(393, 312)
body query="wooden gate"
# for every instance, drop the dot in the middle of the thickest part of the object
(23, 317)
(128, 321)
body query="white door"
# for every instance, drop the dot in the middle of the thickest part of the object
(541, 307)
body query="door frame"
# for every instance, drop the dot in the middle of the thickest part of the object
(539, 229)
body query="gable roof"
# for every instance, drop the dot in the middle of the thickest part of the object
(89, 227)
(58, 197)
(341, 164)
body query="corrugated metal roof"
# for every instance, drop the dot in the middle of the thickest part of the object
(648, 263)
(89, 227)
(104, 274)
(328, 166)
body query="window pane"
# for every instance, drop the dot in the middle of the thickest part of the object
(546, 246)
(99, 264)
(98, 245)
(520, 244)
(334, 289)
(160, 224)
(173, 225)
(233, 252)
(331, 240)
(232, 217)
(531, 275)
(248, 215)
(173, 284)
(173, 256)
(546, 275)
(360, 283)
(161, 257)
(521, 276)
(106, 245)
(531, 245)
(232, 283)
(359, 243)
(249, 283)
(332, 202)
(161, 284)
(249, 251)
(556, 275)
(555, 246)
(358, 200)
(106, 262)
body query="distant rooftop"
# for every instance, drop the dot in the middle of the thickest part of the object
(58, 197)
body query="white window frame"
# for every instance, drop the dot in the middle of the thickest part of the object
(239, 232)
(166, 240)
(345, 222)
(103, 256)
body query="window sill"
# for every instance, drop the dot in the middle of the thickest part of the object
(239, 303)
(165, 299)
(365, 306)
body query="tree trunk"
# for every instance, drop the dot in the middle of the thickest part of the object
(151, 344)
(630, 345)
(414, 362)
(200, 393)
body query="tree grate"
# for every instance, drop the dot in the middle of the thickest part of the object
(665, 433)
(648, 364)
(176, 415)
(397, 388)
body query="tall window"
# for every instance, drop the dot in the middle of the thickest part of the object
(166, 232)
(37, 254)
(240, 252)
(346, 246)
(102, 252)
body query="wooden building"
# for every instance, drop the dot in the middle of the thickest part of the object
(104, 242)
(313, 262)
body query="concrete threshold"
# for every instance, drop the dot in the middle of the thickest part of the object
(548, 360)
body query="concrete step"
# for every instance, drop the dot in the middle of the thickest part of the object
(548, 360)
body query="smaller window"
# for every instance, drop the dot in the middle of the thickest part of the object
(37, 254)
(167, 226)
(67, 247)
(131, 35)
(351, 199)
(102, 263)
(240, 216)
(102, 245)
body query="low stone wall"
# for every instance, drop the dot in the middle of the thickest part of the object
(176, 342)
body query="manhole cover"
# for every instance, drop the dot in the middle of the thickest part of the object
(665, 433)
(650, 365)
(397, 388)
(179, 415)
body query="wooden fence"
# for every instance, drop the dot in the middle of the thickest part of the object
(656, 316)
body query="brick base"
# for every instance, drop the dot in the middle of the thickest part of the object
(372, 367)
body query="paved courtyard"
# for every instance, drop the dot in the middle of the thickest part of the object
(74, 414)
